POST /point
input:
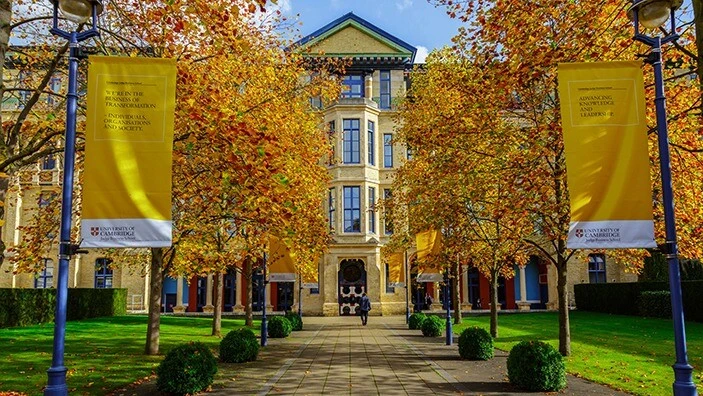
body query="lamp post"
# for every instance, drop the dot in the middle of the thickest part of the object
(407, 286)
(77, 11)
(447, 304)
(652, 14)
(264, 322)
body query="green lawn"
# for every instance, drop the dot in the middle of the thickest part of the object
(101, 354)
(625, 352)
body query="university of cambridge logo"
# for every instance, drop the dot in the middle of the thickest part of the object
(579, 233)
(94, 231)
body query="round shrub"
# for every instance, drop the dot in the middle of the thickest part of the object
(536, 366)
(279, 327)
(186, 369)
(432, 326)
(295, 321)
(415, 321)
(239, 346)
(475, 344)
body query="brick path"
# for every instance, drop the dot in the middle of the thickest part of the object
(338, 356)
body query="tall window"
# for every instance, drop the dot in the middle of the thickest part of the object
(353, 86)
(372, 214)
(596, 268)
(371, 129)
(103, 273)
(387, 150)
(388, 226)
(45, 278)
(331, 209)
(332, 130)
(352, 209)
(385, 89)
(389, 288)
(48, 162)
(351, 141)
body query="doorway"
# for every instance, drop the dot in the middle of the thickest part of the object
(352, 283)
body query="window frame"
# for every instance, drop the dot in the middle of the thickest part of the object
(387, 225)
(387, 150)
(351, 81)
(45, 278)
(351, 145)
(371, 192)
(370, 136)
(352, 209)
(389, 289)
(384, 101)
(103, 273)
(331, 209)
(597, 274)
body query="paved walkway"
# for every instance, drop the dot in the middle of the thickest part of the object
(338, 356)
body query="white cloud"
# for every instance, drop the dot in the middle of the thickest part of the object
(403, 4)
(282, 5)
(421, 54)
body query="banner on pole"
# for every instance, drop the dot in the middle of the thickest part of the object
(605, 143)
(128, 148)
(310, 278)
(281, 267)
(428, 243)
(396, 269)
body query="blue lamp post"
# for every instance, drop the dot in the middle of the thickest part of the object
(77, 11)
(652, 14)
(447, 303)
(264, 321)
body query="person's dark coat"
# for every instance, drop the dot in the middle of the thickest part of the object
(365, 304)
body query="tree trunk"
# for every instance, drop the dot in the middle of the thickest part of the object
(456, 300)
(698, 21)
(155, 288)
(494, 304)
(562, 290)
(217, 303)
(250, 292)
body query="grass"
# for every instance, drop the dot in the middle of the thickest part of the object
(630, 353)
(100, 354)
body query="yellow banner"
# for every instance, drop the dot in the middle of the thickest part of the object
(428, 242)
(281, 265)
(605, 142)
(396, 269)
(129, 139)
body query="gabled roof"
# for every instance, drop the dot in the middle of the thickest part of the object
(387, 45)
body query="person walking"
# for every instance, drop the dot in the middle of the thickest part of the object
(364, 308)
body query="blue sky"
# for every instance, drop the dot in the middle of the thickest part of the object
(414, 21)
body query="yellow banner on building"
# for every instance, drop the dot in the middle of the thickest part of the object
(281, 266)
(128, 148)
(396, 269)
(428, 243)
(607, 163)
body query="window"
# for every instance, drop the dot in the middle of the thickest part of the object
(387, 150)
(332, 130)
(596, 268)
(331, 209)
(389, 288)
(352, 209)
(409, 153)
(388, 229)
(385, 89)
(45, 278)
(353, 86)
(103, 273)
(24, 93)
(351, 141)
(45, 198)
(55, 87)
(371, 129)
(372, 215)
(48, 162)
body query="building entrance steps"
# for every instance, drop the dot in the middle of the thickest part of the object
(338, 356)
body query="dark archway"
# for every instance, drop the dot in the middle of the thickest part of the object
(352, 283)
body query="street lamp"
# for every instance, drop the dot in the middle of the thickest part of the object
(652, 14)
(447, 304)
(264, 321)
(78, 11)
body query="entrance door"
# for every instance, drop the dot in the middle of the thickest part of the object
(284, 302)
(257, 293)
(474, 288)
(352, 283)
(201, 293)
(230, 290)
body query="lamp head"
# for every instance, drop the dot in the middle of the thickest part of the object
(78, 11)
(652, 13)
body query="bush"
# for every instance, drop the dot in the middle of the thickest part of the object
(655, 304)
(96, 303)
(536, 366)
(187, 369)
(415, 321)
(26, 307)
(239, 346)
(295, 321)
(475, 344)
(432, 326)
(279, 327)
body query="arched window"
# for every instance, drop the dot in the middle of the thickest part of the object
(596, 268)
(103, 273)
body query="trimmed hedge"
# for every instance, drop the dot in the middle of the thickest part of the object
(621, 298)
(279, 327)
(415, 320)
(432, 326)
(26, 307)
(655, 304)
(475, 344)
(536, 366)
(295, 320)
(239, 346)
(187, 369)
